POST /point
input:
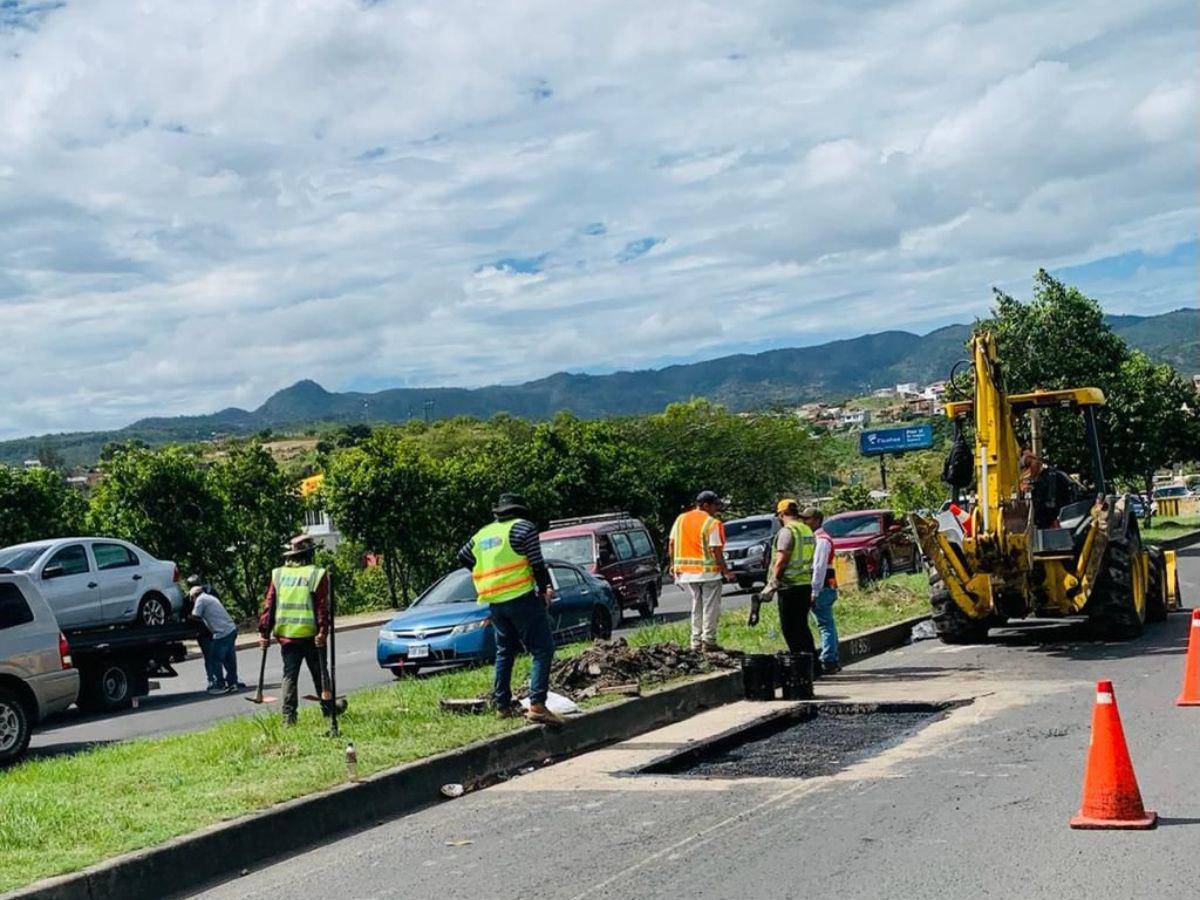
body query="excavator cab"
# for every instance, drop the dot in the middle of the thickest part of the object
(1020, 554)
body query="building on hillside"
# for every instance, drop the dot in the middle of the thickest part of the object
(884, 392)
(1196, 382)
(317, 523)
(907, 389)
(84, 480)
(31, 464)
(854, 418)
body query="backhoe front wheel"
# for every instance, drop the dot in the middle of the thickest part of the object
(1119, 602)
(953, 625)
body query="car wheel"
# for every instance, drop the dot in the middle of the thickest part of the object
(153, 611)
(885, 566)
(399, 672)
(15, 727)
(649, 602)
(109, 687)
(602, 624)
(745, 582)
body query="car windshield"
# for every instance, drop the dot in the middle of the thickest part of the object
(852, 526)
(576, 550)
(1171, 492)
(21, 558)
(454, 588)
(747, 529)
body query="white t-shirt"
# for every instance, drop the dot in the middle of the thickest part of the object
(210, 611)
(716, 538)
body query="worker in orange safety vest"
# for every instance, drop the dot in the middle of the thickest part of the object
(697, 550)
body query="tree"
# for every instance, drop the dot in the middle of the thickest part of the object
(162, 500)
(261, 510)
(1155, 422)
(36, 505)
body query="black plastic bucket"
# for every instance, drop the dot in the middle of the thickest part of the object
(794, 672)
(758, 675)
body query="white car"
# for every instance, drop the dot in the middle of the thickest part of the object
(94, 581)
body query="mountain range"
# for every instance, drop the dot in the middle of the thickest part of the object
(835, 370)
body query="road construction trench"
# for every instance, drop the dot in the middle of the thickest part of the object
(809, 741)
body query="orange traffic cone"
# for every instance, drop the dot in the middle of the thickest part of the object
(1111, 798)
(1190, 695)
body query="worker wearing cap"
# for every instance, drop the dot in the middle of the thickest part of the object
(789, 579)
(697, 551)
(509, 574)
(823, 588)
(296, 611)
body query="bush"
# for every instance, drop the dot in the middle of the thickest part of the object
(357, 587)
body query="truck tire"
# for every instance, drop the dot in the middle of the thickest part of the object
(107, 686)
(1112, 610)
(953, 625)
(1156, 597)
(15, 727)
(649, 602)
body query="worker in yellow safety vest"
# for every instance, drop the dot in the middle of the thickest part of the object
(789, 578)
(697, 551)
(509, 574)
(296, 612)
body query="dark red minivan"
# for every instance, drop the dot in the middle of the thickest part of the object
(614, 546)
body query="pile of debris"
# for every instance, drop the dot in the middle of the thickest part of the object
(615, 667)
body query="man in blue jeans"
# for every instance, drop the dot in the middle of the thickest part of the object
(220, 652)
(824, 590)
(505, 559)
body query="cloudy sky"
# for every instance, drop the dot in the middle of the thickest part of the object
(203, 202)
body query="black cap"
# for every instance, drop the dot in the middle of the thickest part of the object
(707, 497)
(510, 505)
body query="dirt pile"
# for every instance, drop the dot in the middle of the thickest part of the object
(608, 667)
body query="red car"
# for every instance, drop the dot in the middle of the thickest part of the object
(884, 543)
(617, 548)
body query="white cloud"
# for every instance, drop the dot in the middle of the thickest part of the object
(201, 203)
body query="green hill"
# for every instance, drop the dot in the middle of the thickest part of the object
(791, 376)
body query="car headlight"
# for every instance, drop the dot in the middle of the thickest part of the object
(387, 634)
(468, 627)
(757, 551)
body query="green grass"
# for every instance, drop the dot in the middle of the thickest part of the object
(60, 814)
(1164, 529)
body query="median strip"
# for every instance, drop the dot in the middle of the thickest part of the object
(67, 813)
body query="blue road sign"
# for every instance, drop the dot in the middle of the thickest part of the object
(895, 440)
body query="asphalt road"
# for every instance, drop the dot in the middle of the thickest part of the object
(975, 805)
(181, 704)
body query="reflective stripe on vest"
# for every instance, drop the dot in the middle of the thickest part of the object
(690, 536)
(500, 573)
(798, 570)
(295, 588)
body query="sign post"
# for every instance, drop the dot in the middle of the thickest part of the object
(883, 441)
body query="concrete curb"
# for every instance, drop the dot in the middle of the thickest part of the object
(1178, 543)
(216, 852)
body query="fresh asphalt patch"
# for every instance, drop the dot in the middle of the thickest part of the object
(814, 740)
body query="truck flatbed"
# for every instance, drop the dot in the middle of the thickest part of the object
(116, 663)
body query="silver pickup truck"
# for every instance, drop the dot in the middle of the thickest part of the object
(36, 675)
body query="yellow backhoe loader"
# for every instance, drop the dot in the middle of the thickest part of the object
(994, 563)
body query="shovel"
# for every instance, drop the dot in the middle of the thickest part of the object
(262, 671)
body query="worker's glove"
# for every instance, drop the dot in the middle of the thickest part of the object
(768, 593)
(320, 642)
(264, 642)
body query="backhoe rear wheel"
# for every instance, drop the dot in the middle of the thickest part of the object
(1116, 609)
(1156, 590)
(953, 625)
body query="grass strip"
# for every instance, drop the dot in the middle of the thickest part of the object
(1165, 529)
(64, 813)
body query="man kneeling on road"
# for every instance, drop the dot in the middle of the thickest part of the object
(505, 559)
(296, 611)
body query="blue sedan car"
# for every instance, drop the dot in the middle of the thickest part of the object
(446, 626)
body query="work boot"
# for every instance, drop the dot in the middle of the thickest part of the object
(830, 668)
(540, 713)
(289, 721)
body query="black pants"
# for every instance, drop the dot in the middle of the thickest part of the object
(296, 652)
(794, 605)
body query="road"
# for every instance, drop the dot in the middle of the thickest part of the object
(974, 805)
(181, 704)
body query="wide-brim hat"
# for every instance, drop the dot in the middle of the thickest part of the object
(508, 504)
(299, 546)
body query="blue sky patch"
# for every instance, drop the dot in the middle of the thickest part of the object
(1127, 265)
(634, 249)
(595, 229)
(373, 153)
(524, 265)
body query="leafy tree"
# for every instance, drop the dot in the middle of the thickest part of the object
(848, 497)
(261, 510)
(163, 500)
(36, 505)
